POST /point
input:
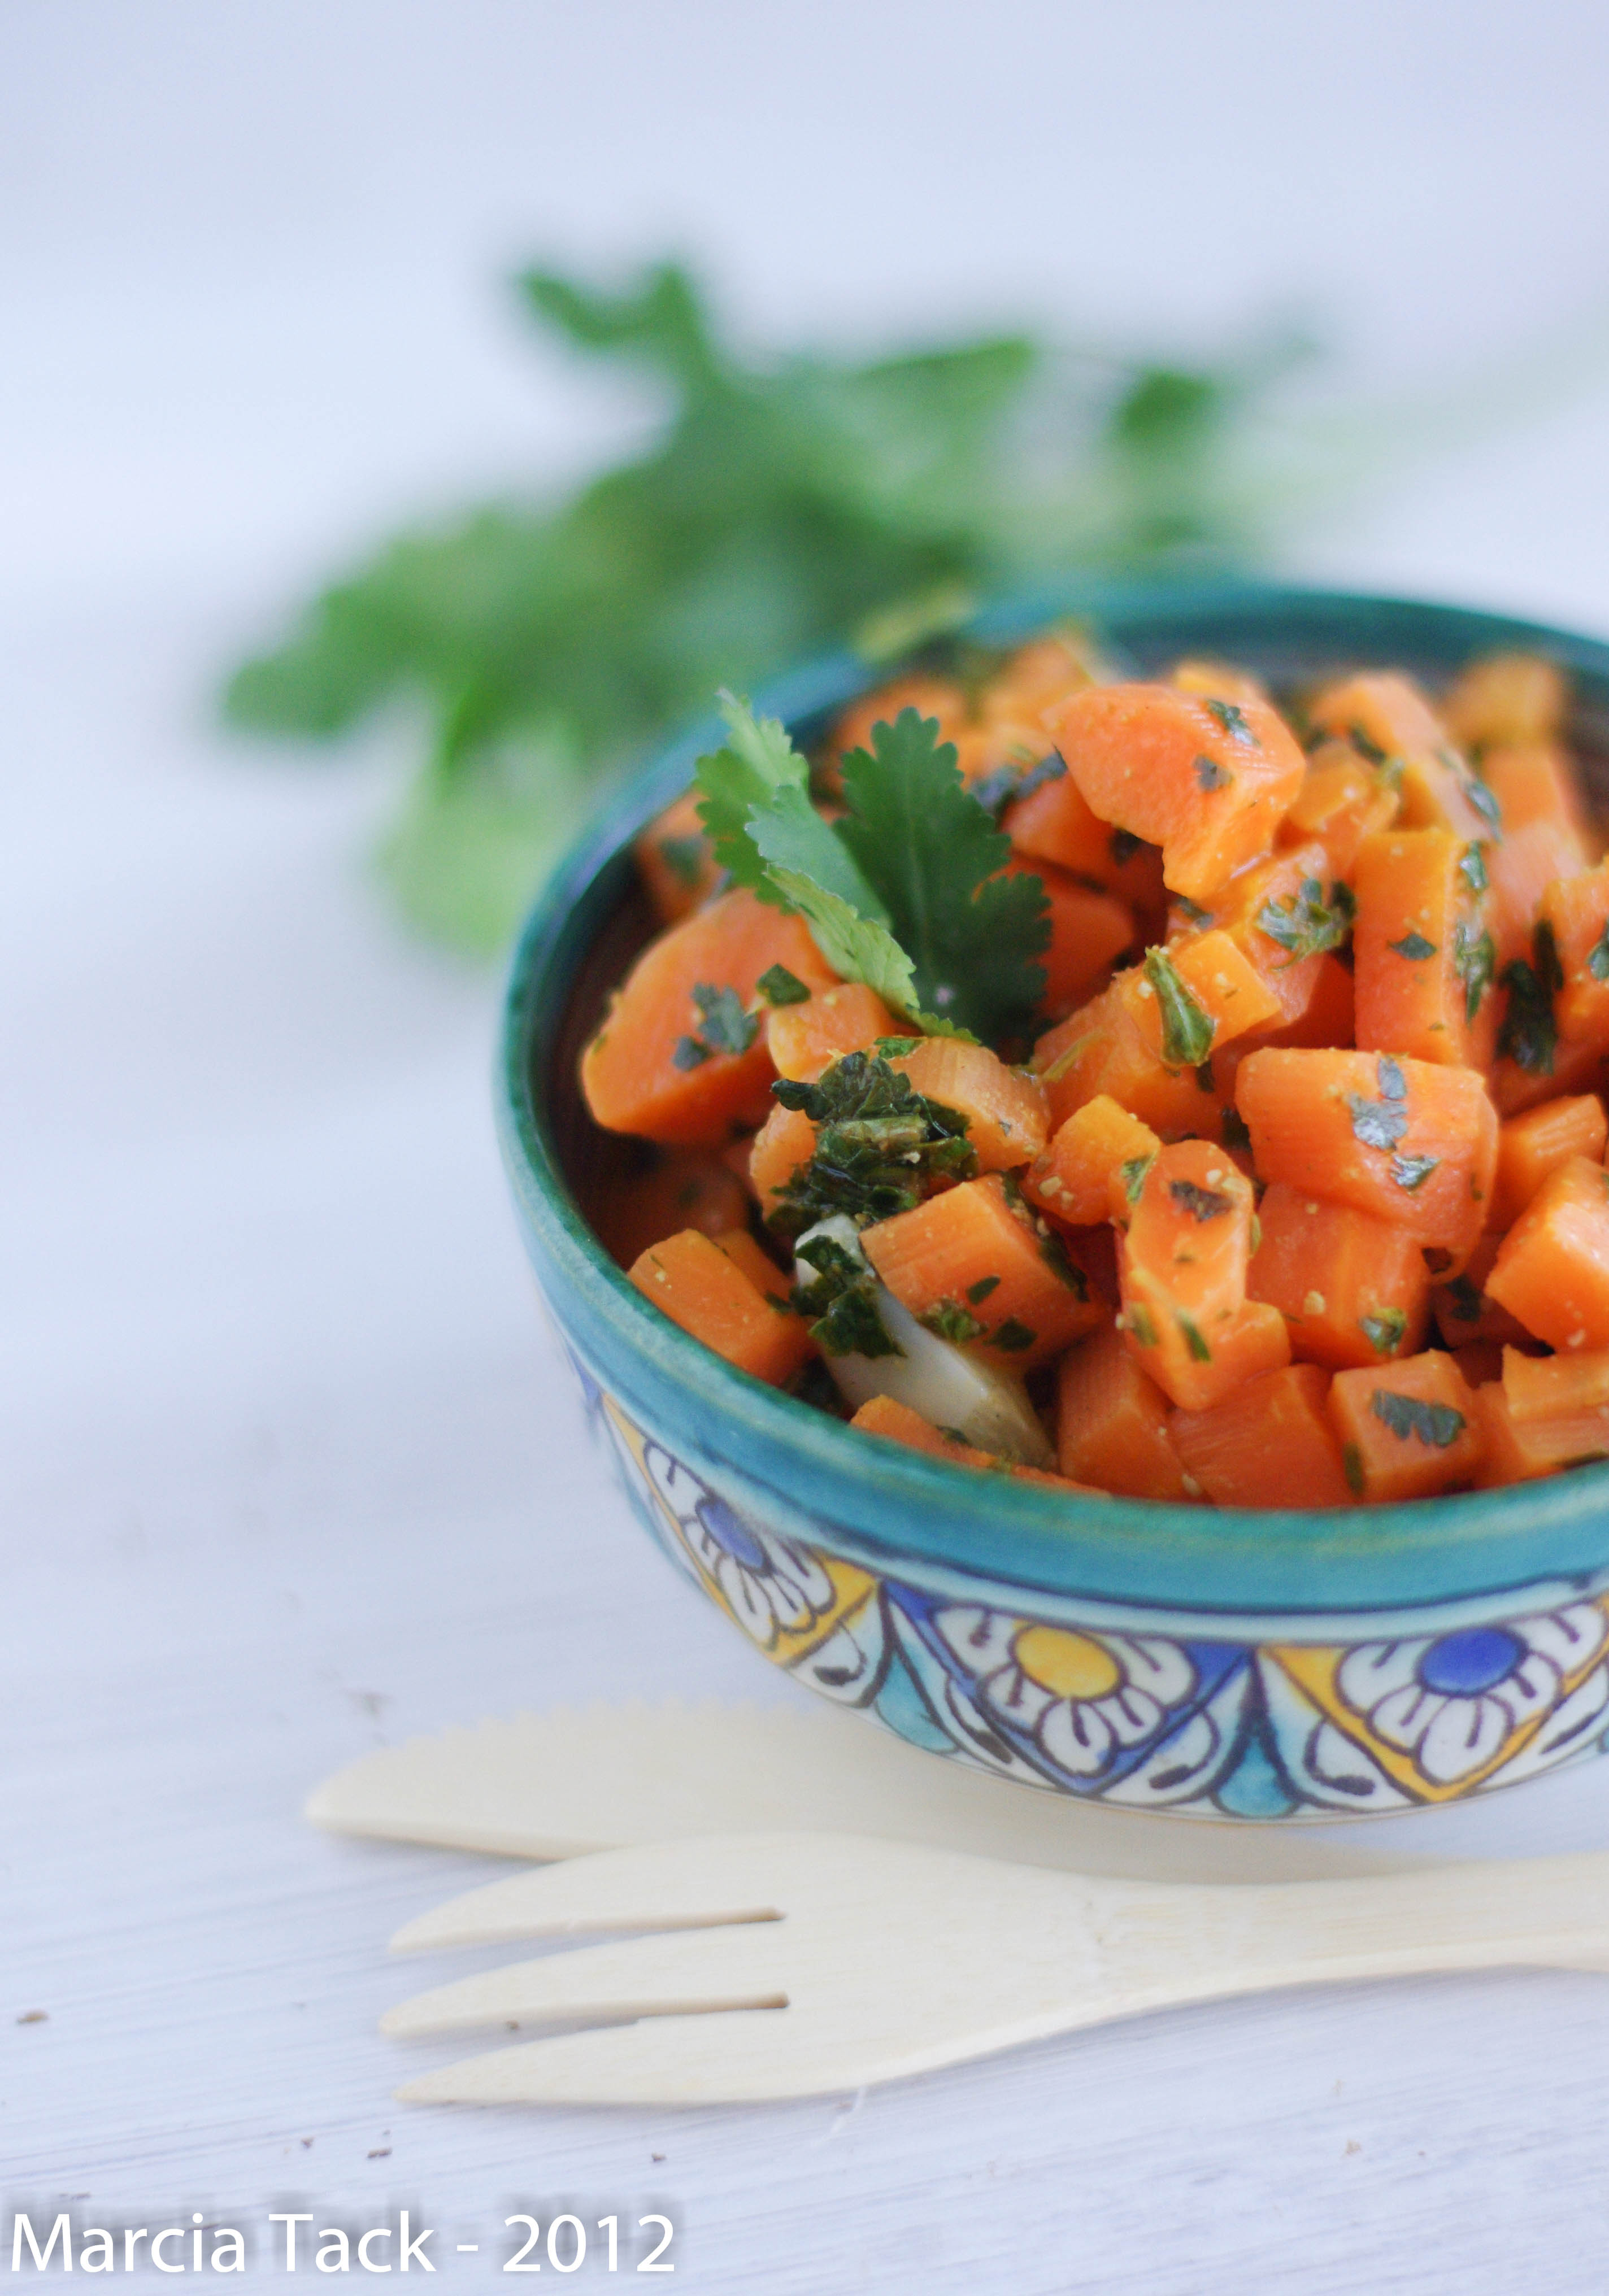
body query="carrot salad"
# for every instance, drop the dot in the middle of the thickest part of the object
(1160, 1089)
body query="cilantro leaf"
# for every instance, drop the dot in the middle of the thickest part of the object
(1529, 1036)
(758, 761)
(1472, 869)
(1200, 1204)
(1377, 1123)
(1194, 1339)
(1437, 1425)
(1476, 963)
(1597, 957)
(724, 1027)
(952, 1321)
(1411, 1172)
(1008, 783)
(878, 1145)
(1305, 925)
(1187, 1027)
(778, 986)
(1233, 718)
(1210, 775)
(1384, 1332)
(1414, 947)
(842, 1302)
(934, 857)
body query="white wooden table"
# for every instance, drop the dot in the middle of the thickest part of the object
(292, 1468)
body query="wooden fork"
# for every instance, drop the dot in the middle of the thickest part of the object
(836, 1961)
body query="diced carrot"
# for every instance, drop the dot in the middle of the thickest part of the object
(1552, 1269)
(1088, 932)
(1342, 800)
(1183, 1269)
(675, 860)
(1407, 1429)
(1481, 1361)
(1577, 910)
(1532, 1146)
(1215, 680)
(1228, 989)
(784, 1142)
(1269, 1444)
(978, 1267)
(1425, 965)
(683, 1191)
(1007, 1118)
(1278, 892)
(1536, 780)
(1074, 1177)
(805, 1037)
(1111, 1422)
(709, 1286)
(1353, 1289)
(1385, 715)
(1414, 1144)
(1101, 1049)
(736, 1156)
(1573, 1069)
(1329, 1018)
(1558, 1405)
(896, 1423)
(1511, 1457)
(755, 1262)
(1507, 697)
(1040, 673)
(1466, 1314)
(1209, 783)
(1521, 868)
(645, 1070)
(1053, 823)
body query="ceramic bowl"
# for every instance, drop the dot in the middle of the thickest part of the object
(1209, 1662)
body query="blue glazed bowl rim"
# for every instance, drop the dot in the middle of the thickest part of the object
(895, 1504)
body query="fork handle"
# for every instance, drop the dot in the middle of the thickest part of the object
(1545, 1912)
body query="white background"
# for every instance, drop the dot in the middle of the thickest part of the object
(292, 1467)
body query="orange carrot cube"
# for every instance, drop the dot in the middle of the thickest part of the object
(1183, 1271)
(1425, 966)
(1354, 1290)
(1466, 1312)
(1511, 1457)
(675, 860)
(1414, 1144)
(1528, 861)
(1269, 1444)
(1407, 1429)
(1577, 910)
(1506, 697)
(715, 1292)
(1008, 1117)
(1552, 1269)
(1088, 932)
(1111, 1422)
(1385, 715)
(784, 1142)
(979, 1267)
(687, 1190)
(1219, 979)
(1074, 1177)
(1558, 1405)
(1342, 800)
(1532, 1146)
(806, 1037)
(1207, 780)
(1103, 1048)
(649, 1070)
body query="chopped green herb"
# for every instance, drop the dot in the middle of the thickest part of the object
(1361, 742)
(1384, 1332)
(1476, 963)
(1211, 774)
(979, 1291)
(1351, 1460)
(1204, 1075)
(879, 1144)
(1187, 1029)
(952, 1321)
(1465, 1302)
(1411, 1172)
(842, 1302)
(1194, 1341)
(1529, 1036)
(1200, 1204)
(1014, 1337)
(1133, 1173)
(1053, 1252)
(1414, 947)
(689, 1053)
(1378, 1124)
(1485, 802)
(1192, 909)
(1236, 1132)
(1472, 868)
(1597, 958)
(1434, 1425)
(1233, 719)
(683, 856)
(726, 1027)
(1142, 1326)
(1306, 925)
(1009, 784)
(895, 1048)
(1389, 1078)
(1123, 845)
(778, 986)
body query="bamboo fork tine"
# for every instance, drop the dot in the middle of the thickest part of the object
(653, 1886)
(729, 2059)
(688, 1971)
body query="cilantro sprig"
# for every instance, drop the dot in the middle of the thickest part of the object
(908, 892)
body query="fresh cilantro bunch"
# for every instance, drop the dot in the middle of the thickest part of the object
(905, 891)
(784, 505)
